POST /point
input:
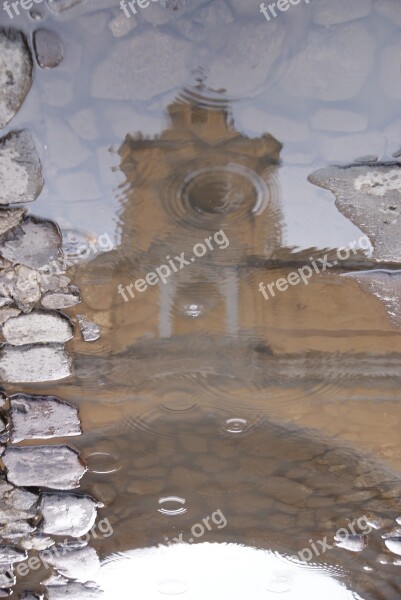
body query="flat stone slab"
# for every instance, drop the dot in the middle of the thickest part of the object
(15, 73)
(16, 504)
(35, 243)
(20, 169)
(10, 218)
(370, 196)
(73, 591)
(61, 298)
(38, 328)
(58, 467)
(34, 363)
(67, 514)
(80, 564)
(42, 417)
(11, 554)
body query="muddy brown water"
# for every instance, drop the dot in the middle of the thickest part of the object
(224, 432)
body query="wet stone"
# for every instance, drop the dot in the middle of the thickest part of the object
(80, 564)
(370, 196)
(90, 331)
(247, 58)
(7, 577)
(58, 467)
(161, 63)
(34, 363)
(16, 504)
(10, 218)
(67, 514)
(30, 596)
(20, 169)
(15, 73)
(35, 243)
(328, 13)
(73, 591)
(48, 48)
(353, 543)
(41, 417)
(62, 298)
(26, 289)
(37, 328)
(11, 554)
(16, 530)
(36, 542)
(394, 545)
(346, 53)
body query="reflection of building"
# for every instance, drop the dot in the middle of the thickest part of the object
(199, 177)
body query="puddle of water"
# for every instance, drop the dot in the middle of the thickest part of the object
(240, 409)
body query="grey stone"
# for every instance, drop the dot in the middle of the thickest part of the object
(42, 417)
(16, 504)
(26, 289)
(38, 541)
(38, 327)
(62, 5)
(58, 467)
(48, 47)
(20, 169)
(9, 218)
(347, 53)
(80, 564)
(30, 596)
(353, 543)
(7, 577)
(160, 63)
(15, 73)
(14, 531)
(122, 25)
(327, 12)
(390, 9)
(34, 363)
(35, 243)
(8, 312)
(394, 545)
(250, 51)
(67, 151)
(11, 554)
(84, 124)
(62, 298)
(338, 120)
(390, 70)
(90, 331)
(67, 514)
(370, 196)
(73, 591)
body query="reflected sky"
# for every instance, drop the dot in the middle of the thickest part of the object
(215, 571)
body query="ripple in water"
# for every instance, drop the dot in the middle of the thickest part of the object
(279, 583)
(172, 587)
(102, 463)
(170, 510)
